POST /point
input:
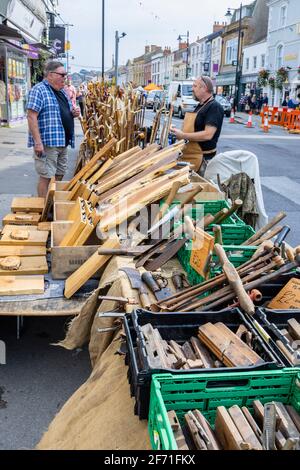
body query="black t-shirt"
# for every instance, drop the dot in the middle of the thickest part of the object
(209, 114)
(66, 115)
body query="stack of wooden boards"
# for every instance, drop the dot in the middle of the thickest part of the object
(216, 346)
(237, 429)
(23, 243)
(111, 112)
(110, 190)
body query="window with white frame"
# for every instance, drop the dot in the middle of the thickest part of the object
(247, 63)
(279, 56)
(263, 60)
(255, 62)
(231, 50)
(283, 16)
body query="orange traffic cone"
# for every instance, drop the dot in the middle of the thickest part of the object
(266, 124)
(231, 120)
(250, 123)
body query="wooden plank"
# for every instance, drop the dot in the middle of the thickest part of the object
(88, 269)
(239, 343)
(255, 428)
(244, 428)
(86, 233)
(222, 347)
(202, 353)
(176, 428)
(22, 251)
(21, 218)
(49, 200)
(8, 228)
(96, 177)
(36, 238)
(99, 155)
(74, 232)
(28, 204)
(22, 285)
(226, 431)
(29, 266)
(214, 443)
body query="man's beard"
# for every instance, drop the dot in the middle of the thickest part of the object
(195, 97)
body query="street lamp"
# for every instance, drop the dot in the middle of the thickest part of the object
(117, 54)
(103, 37)
(237, 73)
(187, 36)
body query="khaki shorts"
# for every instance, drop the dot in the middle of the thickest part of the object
(53, 163)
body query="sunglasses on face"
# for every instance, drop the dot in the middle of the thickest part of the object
(61, 74)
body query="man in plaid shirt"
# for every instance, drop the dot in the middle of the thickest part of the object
(51, 125)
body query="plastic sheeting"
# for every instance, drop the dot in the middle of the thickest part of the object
(239, 161)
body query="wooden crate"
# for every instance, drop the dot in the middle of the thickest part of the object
(62, 211)
(16, 219)
(60, 185)
(61, 196)
(66, 260)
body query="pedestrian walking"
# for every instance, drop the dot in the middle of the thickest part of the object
(71, 91)
(205, 127)
(51, 125)
(80, 96)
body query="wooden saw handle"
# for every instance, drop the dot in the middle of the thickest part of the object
(235, 281)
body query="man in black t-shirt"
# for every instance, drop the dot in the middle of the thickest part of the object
(209, 115)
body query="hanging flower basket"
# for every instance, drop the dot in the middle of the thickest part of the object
(263, 77)
(272, 82)
(282, 76)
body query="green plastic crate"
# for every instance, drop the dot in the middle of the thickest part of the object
(210, 207)
(239, 255)
(235, 234)
(206, 392)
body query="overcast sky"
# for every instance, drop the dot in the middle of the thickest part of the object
(145, 22)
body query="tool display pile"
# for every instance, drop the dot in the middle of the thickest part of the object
(272, 427)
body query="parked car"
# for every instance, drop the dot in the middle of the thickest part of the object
(225, 104)
(181, 97)
(150, 99)
(159, 100)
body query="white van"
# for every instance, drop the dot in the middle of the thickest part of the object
(180, 96)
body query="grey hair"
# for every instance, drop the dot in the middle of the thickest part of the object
(208, 83)
(52, 66)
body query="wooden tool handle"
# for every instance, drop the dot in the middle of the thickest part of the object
(236, 205)
(174, 190)
(189, 227)
(218, 234)
(148, 279)
(235, 281)
(266, 228)
(144, 298)
(191, 196)
(222, 215)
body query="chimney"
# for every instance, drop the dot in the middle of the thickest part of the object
(182, 45)
(147, 49)
(217, 27)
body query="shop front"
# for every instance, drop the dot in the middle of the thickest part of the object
(225, 84)
(13, 85)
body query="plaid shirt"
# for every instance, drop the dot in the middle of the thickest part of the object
(42, 100)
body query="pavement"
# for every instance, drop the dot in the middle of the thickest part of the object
(38, 377)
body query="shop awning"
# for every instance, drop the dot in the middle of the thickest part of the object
(251, 78)
(7, 32)
(225, 79)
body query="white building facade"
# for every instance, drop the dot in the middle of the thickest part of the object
(254, 60)
(284, 47)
